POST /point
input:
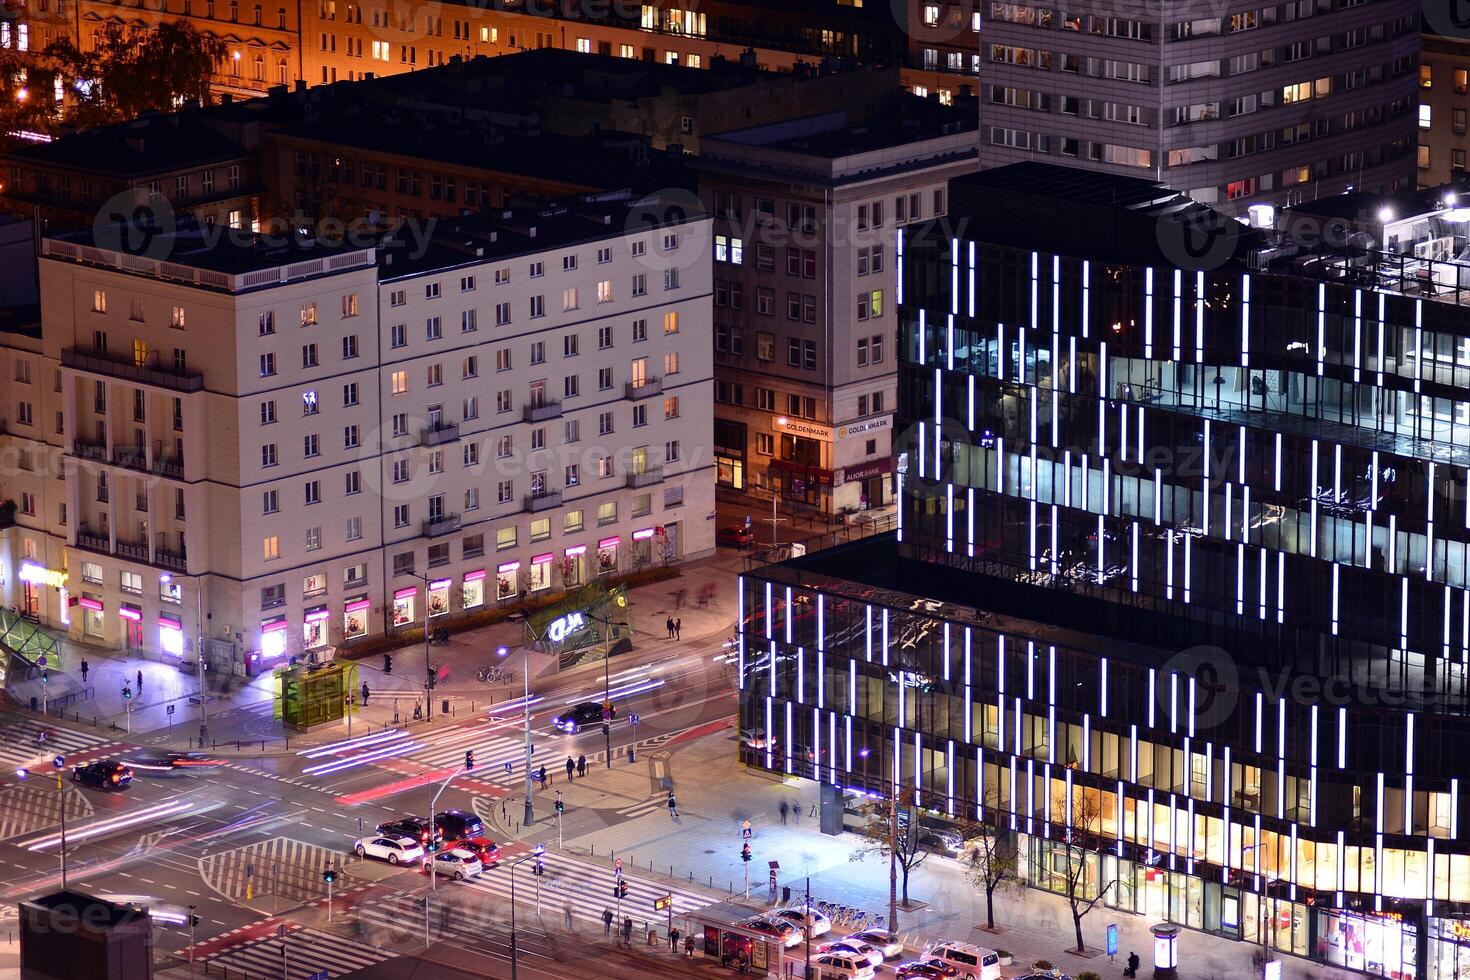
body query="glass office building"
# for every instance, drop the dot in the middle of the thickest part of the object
(1180, 571)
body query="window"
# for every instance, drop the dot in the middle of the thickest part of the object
(311, 446)
(604, 423)
(640, 284)
(351, 438)
(471, 454)
(398, 336)
(671, 322)
(604, 379)
(571, 386)
(505, 538)
(538, 306)
(270, 502)
(862, 354)
(640, 330)
(267, 412)
(268, 454)
(569, 345)
(349, 394)
(765, 347)
(607, 513)
(765, 443)
(569, 298)
(876, 345)
(349, 347)
(1424, 116)
(434, 328)
(400, 515)
(793, 351)
(308, 356)
(400, 471)
(431, 289)
(504, 491)
(313, 492)
(399, 382)
(267, 324)
(671, 362)
(468, 321)
(671, 278)
(270, 548)
(400, 423)
(349, 308)
(671, 407)
(267, 365)
(537, 269)
(573, 475)
(308, 311)
(604, 338)
(640, 416)
(671, 451)
(434, 375)
(604, 291)
(641, 505)
(502, 314)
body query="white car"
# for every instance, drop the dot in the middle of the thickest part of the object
(885, 942)
(458, 864)
(840, 966)
(804, 918)
(855, 947)
(394, 850)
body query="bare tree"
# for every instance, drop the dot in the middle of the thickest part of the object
(881, 839)
(990, 865)
(1081, 872)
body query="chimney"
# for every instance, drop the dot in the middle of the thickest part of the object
(301, 85)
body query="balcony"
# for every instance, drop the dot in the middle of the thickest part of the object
(89, 450)
(647, 388)
(134, 550)
(113, 366)
(435, 526)
(93, 542)
(174, 561)
(545, 500)
(650, 476)
(543, 411)
(439, 433)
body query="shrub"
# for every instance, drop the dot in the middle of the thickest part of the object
(1088, 975)
(1042, 965)
(1004, 954)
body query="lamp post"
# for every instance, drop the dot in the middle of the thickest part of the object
(530, 814)
(513, 955)
(428, 668)
(607, 625)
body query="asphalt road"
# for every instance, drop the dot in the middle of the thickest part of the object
(245, 843)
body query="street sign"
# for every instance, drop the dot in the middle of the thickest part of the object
(319, 975)
(633, 718)
(1272, 970)
(1112, 940)
(745, 830)
(663, 903)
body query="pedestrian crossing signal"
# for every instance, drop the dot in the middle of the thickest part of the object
(620, 890)
(329, 874)
(745, 853)
(469, 759)
(560, 806)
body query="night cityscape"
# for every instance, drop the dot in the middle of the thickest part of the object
(1053, 423)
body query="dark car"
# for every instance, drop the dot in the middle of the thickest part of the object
(931, 970)
(406, 827)
(108, 775)
(481, 847)
(454, 824)
(736, 536)
(152, 763)
(586, 713)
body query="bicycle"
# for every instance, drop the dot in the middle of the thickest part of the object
(492, 674)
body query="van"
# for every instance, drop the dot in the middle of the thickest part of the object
(973, 962)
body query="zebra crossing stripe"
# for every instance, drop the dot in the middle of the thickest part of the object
(307, 952)
(642, 807)
(278, 866)
(19, 748)
(586, 888)
(27, 809)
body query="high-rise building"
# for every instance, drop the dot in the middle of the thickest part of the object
(1179, 604)
(1272, 104)
(306, 442)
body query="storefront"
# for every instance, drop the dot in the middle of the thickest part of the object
(91, 615)
(35, 580)
(505, 580)
(439, 597)
(730, 438)
(314, 628)
(607, 555)
(571, 565)
(273, 639)
(801, 483)
(355, 616)
(540, 578)
(1380, 945)
(873, 481)
(642, 547)
(472, 596)
(171, 635)
(1449, 949)
(403, 602)
(132, 624)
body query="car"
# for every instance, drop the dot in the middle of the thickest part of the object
(886, 942)
(971, 962)
(778, 928)
(411, 827)
(855, 947)
(481, 847)
(923, 970)
(735, 536)
(581, 715)
(457, 824)
(394, 850)
(457, 864)
(108, 775)
(841, 967)
(803, 918)
(941, 841)
(756, 738)
(151, 763)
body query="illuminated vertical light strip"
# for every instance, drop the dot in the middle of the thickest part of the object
(821, 678)
(885, 637)
(1418, 344)
(954, 275)
(1245, 320)
(1393, 542)
(1373, 481)
(1409, 772)
(1260, 719)
(1013, 792)
(1102, 368)
(1281, 757)
(1118, 817)
(1086, 296)
(1173, 703)
(817, 744)
(1321, 327)
(1277, 474)
(1123, 431)
(1169, 564)
(1229, 508)
(1031, 533)
(1337, 476)
(847, 742)
(1263, 577)
(970, 403)
(740, 633)
(946, 651)
(922, 450)
(1190, 717)
(1133, 753)
(949, 345)
(1102, 696)
(1100, 540)
(1001, 356)
(972, 279)
(868, 621)
(1205, 482)
(979, 783)
(788, 617)
(1086, 742)
(1072, 365)
(1357, 342)
(938, 424)
(898, 269)
(800, 675)
(1056, 296)
(852, 685)
(1335, 595)
(771, 730)
(771, 668)
(1404, 613)
(970, 521)
(1280, 586)
(1378, 849)
(1133, 564)
(1158, 496)
(949, 517)
(896, 780)
(969, 700)
(1245, 512)
(1056, 401)
(1381, 350)
(923, 335)
(1031, 796)
(1178, 300)
(1148, 312)
(1000, 464)
(1030, 670)
(1035, 297)
(770, 612)
(832, 746)
(1067, 478)
(1316, 488)
(1199, 316)
(918, 763)
(1152, 695)
(1140, 434)
(1312, 804)
(1342, 738)
(949, 771)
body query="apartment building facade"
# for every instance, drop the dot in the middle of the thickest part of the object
(806, 214)
(1177, 604)
(1256, 104)
(288, 448)
(1444, 81)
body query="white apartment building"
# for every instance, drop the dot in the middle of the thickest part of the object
(308, 444)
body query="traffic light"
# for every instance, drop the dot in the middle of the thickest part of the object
(622, 889)
(329, 874)
(387, 664)
(127, 693)
(193, 919)
(538, 853)
(560, 806)
(745, 853)
(469, 758)
(433, 677)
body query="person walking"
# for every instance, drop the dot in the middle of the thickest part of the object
(85, 667)
(566, 911)
(541, 776)
(783, 808)
(679, 599)
(674, 939)
(796, 812)
(365, 693)
(606, 921)
(628, 931)
(689, 947)
(581, 765)
(673, 805)
(678, 627)
(570, 767)
(140, 683)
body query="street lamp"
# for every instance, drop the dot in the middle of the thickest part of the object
(428, 668)
(513, 866)
(607, 625)
(530, 815)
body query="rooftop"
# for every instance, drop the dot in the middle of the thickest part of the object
(149, 145)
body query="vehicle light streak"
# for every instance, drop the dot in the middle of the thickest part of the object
(111, 825)
(337, 765)
(354, 743)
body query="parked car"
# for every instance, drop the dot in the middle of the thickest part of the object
(778, 928)
(457, 824)
(811, 919)
(481, 847)
(756, 738)
(855, 947)
(923, 970)
(735, 536)
(457, 864)
(581, 715)
(394, 850)
(837, 966)
(948, 842)
(108, 775)
(880, 939)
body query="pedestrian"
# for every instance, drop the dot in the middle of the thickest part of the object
(674, 939)
(85, 667)
(502, 810)
(365, 693)
(783, 808)
(566, 910)
(606, 921)
(418, 708)
(669, 625)
(678, 627)
(140, 683)
(673, 805)
(689, 947)
(571, 767)
(443, 918)
(796, 812)
(581, 765)
(628, 931)
(541, 776)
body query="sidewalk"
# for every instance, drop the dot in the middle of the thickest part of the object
(702, 847)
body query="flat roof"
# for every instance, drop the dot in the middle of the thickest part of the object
(832, 135)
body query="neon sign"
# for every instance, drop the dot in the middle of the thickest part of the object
(39, 575)
(561, 628)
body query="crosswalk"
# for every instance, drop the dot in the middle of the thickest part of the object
(307, 953)
(29, 808)
(19, 746)
(280, 866)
